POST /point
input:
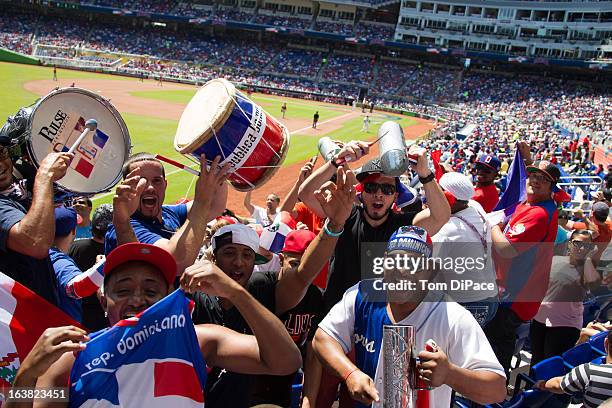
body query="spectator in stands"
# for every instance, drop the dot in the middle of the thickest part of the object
(486, 194)
(461, 359)
(27, 221)
(523, 251)
(85, 253)
(234, 250)
(599, 224)
(135, 269)
(592, 380)
(298, 210)
(556, 326)
(140, 216)
(83, 207)
(64, 266)
(263, 216)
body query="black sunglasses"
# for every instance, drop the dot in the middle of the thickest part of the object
(387, 189)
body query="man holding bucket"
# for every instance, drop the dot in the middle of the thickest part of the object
(140, 216)
(462, 356)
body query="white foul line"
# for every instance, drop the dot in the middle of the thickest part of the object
(181, 170)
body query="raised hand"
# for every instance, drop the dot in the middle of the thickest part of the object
(336, 200)
(51, 345)
(306, 169)
(54, 166)
(361, 387)
(353, 151)
(212, 179)
(127, 196)
(420, 155)
(206, 277)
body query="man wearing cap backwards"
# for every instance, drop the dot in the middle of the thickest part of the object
(139, 216)
(27, 222)
(136, 277)
(461, 360)
(234, 251)
(523, 251)
(465, 239)
(486, 194)
(600, 225)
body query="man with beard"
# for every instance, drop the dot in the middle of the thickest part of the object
(263, 216)
(462, 359)
(140, 216)
(486, 194)
(372, 221)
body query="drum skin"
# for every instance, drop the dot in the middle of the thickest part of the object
(220, 120)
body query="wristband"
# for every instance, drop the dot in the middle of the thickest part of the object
(328, 232)
(427, 179)
(346, 377)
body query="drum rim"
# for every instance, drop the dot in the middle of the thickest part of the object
(217, 123)
(106, 104)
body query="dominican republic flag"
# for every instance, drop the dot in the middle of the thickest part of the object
(150, 360)
(273, 236)
(100, 138)
(86, 283)
(24, 316)
(516, 191)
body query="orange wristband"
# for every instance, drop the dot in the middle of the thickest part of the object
(349, 374)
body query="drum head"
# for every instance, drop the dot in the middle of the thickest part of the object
(57, 122)
(207, 110)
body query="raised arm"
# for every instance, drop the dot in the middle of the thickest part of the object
(33, 235)
(292, 197)
(269, 351)
(350, 152)
(336, 202)
(438, 213)
(247, 203)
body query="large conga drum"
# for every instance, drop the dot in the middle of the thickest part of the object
(55, 122)
(220, 120)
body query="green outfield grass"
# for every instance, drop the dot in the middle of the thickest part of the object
(155, 135)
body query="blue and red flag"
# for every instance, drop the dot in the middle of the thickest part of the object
(150, 360)
(516, 190)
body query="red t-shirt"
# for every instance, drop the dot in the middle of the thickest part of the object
(487, 196)
(605, 231)
(532, 231)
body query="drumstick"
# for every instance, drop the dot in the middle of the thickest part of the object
(342, 161)
(90, 125)
(177, 164)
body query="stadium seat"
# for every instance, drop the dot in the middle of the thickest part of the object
(596, 343)
(522, 339)
(544, 370)
(580, 354)
(599, 360)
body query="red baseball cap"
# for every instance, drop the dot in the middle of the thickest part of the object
(136, 251)
(297, 241)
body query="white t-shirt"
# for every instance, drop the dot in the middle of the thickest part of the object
(451, 326)
(261, 216)
(457, 240)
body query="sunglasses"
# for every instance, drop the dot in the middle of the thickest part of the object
(583, 245)
(387, 189)
(539, 178)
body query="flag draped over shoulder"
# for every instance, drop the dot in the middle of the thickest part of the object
(150, 360)
(24, 316)
(516, 191)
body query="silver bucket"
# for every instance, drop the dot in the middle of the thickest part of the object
(399, 366)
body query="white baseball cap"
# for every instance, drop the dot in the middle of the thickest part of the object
(238, 234)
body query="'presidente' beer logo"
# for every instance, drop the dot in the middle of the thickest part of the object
(49, 132)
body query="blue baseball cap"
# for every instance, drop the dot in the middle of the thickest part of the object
(489, 161)
(411, 238)
(65, 221)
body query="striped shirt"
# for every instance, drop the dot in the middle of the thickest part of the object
(594, 380)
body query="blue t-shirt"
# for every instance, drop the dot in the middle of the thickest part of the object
(65, 271)
(36, 274)
(149, 231)
(83, 232)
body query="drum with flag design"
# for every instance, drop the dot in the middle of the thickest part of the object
(220, 120)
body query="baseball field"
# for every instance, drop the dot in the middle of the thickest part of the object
(152, 110)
